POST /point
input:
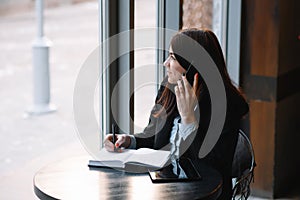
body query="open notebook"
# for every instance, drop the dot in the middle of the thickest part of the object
(144, 157)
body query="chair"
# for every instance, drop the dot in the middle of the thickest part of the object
(242, 167)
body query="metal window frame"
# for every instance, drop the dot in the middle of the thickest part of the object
(115, 16)
(169, 14)
(227, 27)
(234, 39)
(219, 24)
(103, 34)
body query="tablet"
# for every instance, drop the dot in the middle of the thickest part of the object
(166, 174)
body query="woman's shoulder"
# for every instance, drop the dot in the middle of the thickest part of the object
(236, 103)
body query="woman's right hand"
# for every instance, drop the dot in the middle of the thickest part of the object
(122, 140)
(187, 99)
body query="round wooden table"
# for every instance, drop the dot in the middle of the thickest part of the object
(73, 179)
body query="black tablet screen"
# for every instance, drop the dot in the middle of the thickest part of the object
(171, 173)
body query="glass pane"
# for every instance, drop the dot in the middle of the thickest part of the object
(210, 14)
(144, 63)
(197, 13)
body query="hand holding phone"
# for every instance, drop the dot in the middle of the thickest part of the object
(187, 99)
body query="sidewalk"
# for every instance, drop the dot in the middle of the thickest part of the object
(29, 143)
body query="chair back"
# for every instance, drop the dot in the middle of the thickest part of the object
(242, 167)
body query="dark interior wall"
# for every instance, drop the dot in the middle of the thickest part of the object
(259, 47)
(270, 71)
(287, 160)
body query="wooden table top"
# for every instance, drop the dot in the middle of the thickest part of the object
(73, 179)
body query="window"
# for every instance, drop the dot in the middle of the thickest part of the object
(117, 16)
(144, 64)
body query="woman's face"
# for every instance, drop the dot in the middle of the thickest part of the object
(174, 69)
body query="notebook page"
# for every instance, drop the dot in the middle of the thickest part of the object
(149, 157)
(114, 159)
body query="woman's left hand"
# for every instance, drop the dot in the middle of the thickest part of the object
(187, 99)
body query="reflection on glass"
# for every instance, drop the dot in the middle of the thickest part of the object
(144, 94)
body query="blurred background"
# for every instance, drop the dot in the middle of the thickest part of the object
(28, 142)
(269, 72)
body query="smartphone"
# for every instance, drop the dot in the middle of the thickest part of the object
(185, 74)
(166, 175)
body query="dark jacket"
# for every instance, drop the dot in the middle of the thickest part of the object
(157, 135)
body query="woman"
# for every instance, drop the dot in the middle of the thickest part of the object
(180, 119)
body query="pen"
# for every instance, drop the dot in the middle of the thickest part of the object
(113, 132)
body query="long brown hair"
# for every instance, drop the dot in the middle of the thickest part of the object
(208, 40)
